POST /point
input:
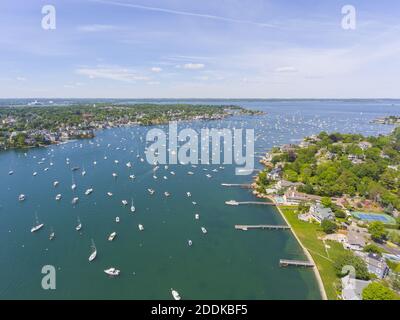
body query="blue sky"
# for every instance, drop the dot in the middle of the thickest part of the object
(200, 49)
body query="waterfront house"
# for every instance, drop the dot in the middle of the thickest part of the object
(283, 184)
(275, 174)
(375, 263)
(364, 145)
(293, 197)
(355, 239)
(320, 213)
(352, 288)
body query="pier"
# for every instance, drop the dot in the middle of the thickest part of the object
(261, 226)
(296, 263)
(237, 203)
(241, 185)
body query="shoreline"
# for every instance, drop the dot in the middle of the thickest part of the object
(306, 252)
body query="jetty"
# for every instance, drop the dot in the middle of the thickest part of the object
(296, 263)
(261, 226)
(241, 185)
(237, 203)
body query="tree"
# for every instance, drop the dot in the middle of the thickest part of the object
(377, 231)
(328, 226)
(377, 291)
(326, 202)
(373, 248)
(349, 259)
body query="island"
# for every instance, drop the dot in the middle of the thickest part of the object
(36, 125)
(340, 195)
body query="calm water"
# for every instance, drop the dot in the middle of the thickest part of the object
(223, 264)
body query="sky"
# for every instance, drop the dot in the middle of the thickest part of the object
(199, 49)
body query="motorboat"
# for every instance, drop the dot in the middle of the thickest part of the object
(133, 209)
(55, 183)
(167, 194)
(116, 219)
(124, 202)
(75, 200)
(88, 191)
(109, 194)
(140, 226)
(112, 236)
(37, 227)
(112, 271)
(21, 197)
(204, 230)
(151, 191)
(232, 203)
(188, 194)
(190, 243)
(58, 197)
(197, 216)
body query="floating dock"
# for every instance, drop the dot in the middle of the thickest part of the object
(237, 203)
(261, 226)
(241, 185)
(295, 263)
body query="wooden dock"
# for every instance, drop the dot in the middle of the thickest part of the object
(241, 185)
(261, 226)
(257, 202)
(296, 263)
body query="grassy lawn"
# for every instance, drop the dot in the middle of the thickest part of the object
(308, 234)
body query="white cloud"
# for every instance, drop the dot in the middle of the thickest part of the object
(156, 69)
(153, 83)
(111, 73)
(21, 79)
(193, 66)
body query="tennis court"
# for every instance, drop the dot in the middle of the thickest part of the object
(372, 216)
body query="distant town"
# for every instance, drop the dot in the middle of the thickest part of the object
(36, 125)
(340, 195)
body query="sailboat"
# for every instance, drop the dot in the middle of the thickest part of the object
(83, 171)
(52, 234)
(175, 294)
(133, 209)
(94, 252)
(79, 226)
(38, 225)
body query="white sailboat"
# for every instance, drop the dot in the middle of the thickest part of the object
(37, 226)
(52, 234)
(79, 225)
(175, 294)
(94, 252)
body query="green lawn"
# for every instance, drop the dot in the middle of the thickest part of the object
(308, 234)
